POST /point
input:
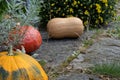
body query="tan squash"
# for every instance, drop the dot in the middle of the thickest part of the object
(71, 27)
(15, 65)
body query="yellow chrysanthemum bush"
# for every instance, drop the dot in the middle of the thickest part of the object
(93, 12)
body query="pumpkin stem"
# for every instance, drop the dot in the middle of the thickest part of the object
(10, 50)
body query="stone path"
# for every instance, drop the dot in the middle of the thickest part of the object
(54, 52)
(105, 50)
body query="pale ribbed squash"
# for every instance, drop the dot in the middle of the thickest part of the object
(20, 66)
(71, 27)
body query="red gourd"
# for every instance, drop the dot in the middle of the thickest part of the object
(31, 40)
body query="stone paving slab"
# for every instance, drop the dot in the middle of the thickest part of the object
(105, 50)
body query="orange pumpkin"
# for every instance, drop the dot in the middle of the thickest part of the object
(16, 65)
(31, 40)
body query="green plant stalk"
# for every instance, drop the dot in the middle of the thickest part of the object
(109, 69)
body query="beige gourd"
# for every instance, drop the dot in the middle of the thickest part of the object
(71, 27)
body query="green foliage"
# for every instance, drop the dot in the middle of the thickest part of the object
(3, 8)
(32, 11)
(108, 68)
(93, 12)
(88, 42)
(115, 30)
(17, 12)
(42, 62)
(8, 23)
(118, 18)
(23, 13)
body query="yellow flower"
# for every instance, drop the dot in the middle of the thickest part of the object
(59, 9)
(67, 10)
(98, 8)
(67, 6)
(85, 22)
(53, 4)
(78, 2)
(111, 7)
(99, 11)
(63, 14)
(101, 19)
(81, 4)
(75, 2)
(66, 0)
(56, 12)
(51, 10)
(76, 6)
(71, 10)
(103, 11)
(113, 12)
(106, 4)
(104, 1)
(97, 21)
(90, 6)
(86, 12)
(106, 23)
(84, 7)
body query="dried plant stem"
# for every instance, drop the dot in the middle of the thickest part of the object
(10, 51)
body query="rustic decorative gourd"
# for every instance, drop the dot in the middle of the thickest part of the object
(31, 40)
(71, 27)
(15, 65)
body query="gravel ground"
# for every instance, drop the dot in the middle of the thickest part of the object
(55, 51)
